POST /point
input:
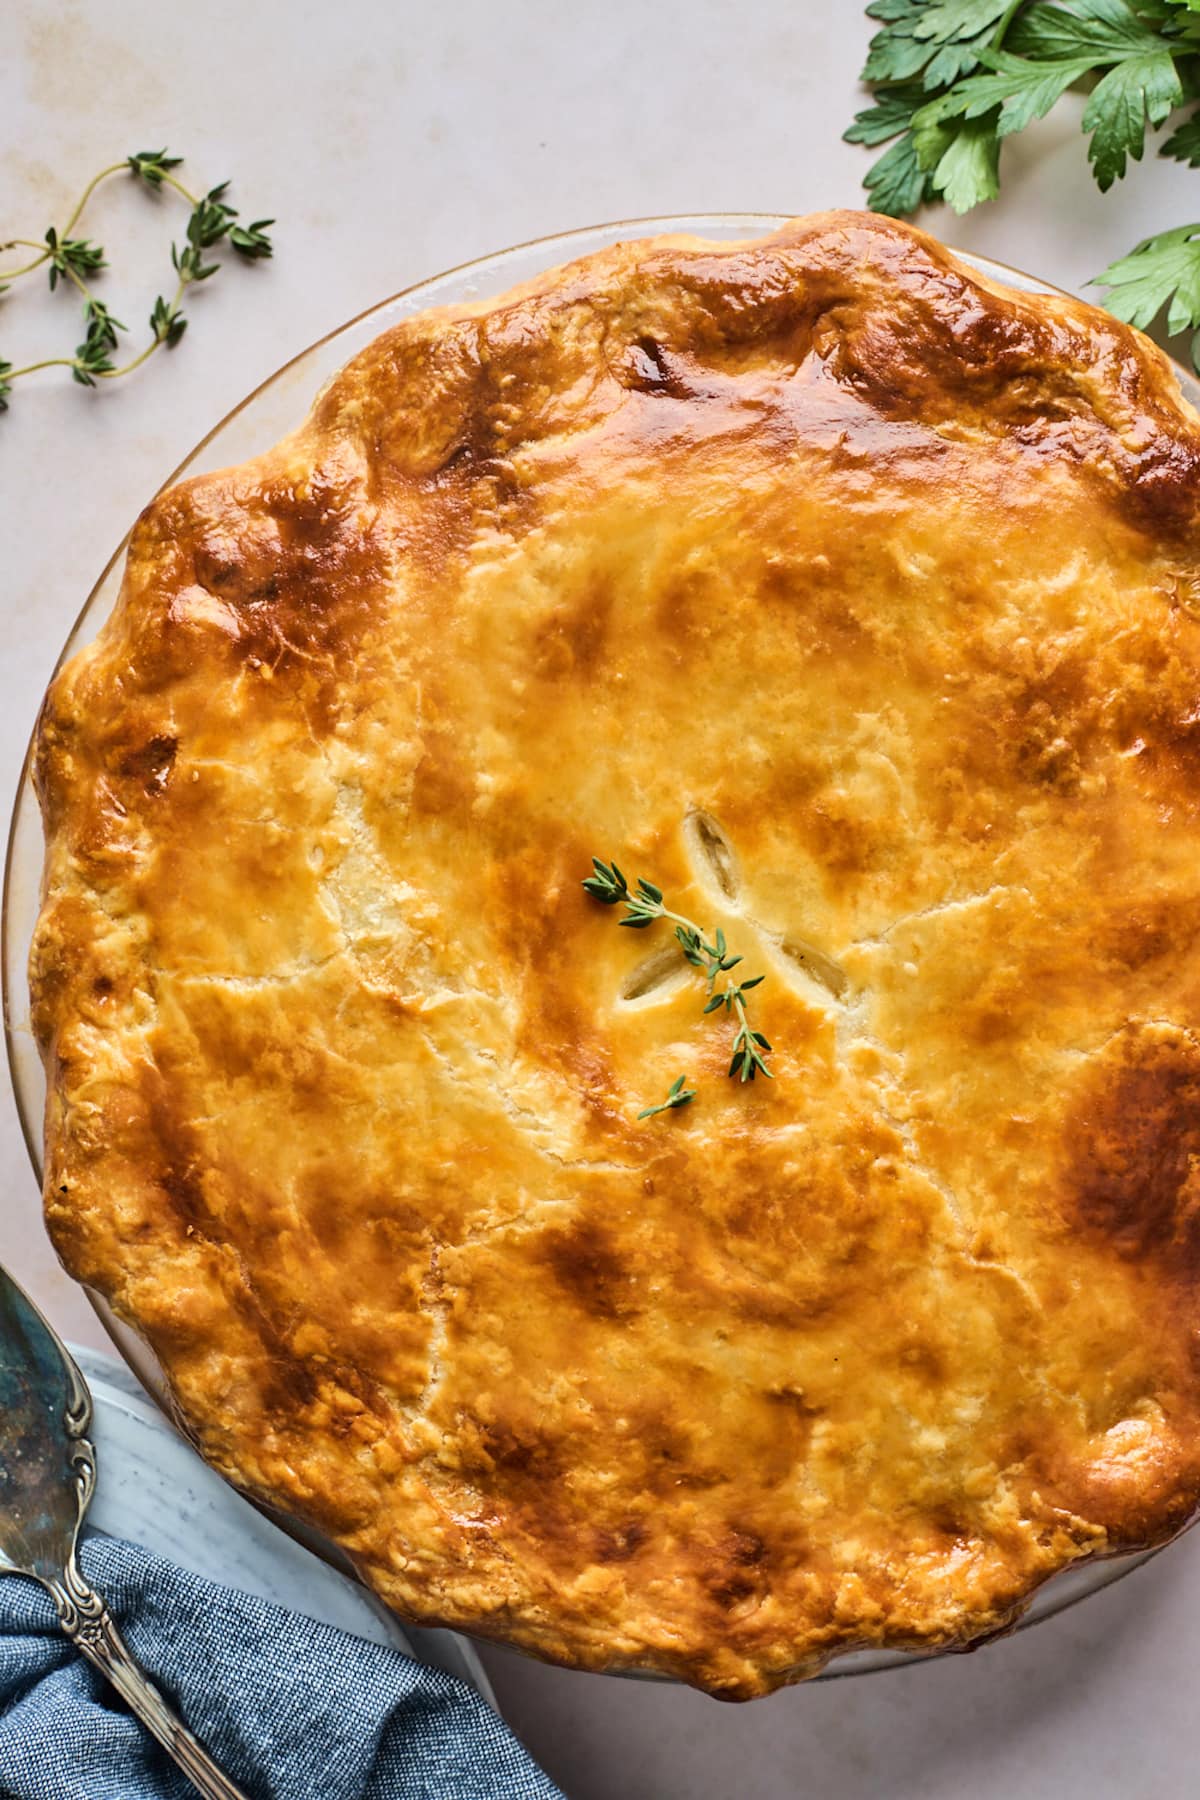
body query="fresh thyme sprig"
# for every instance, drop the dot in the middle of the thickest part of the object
(211, 221)
(678, 1094)
(644, 904)
(72, 259)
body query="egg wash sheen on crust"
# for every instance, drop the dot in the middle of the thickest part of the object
(854, 601)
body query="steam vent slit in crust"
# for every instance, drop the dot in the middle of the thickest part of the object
(852, 599)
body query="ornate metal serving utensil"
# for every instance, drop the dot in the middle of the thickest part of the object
(47, 1475)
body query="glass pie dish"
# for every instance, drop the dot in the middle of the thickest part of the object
(262, 418)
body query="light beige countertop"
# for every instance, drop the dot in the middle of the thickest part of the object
(392, 140)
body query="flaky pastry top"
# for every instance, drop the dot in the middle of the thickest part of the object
(855, 601)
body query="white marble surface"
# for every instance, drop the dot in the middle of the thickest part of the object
(392, 140)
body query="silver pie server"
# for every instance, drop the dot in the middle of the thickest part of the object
(47, 1477)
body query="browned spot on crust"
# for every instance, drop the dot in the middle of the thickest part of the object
(520, 1449)
(1177, 747)
(1146, 932)
(844, 845)
(622, 1542)
(441, 781)
(1134, 1144)
(737, 1568)
(952, 1523)
(291, 592)
(572, 641)
(1011, 374)
(745, 1547)
(183, 1189)
(151, 764)
(587, 1264)
(927, 1361)
(795, 1400)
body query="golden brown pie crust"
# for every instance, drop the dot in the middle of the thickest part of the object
(893, 574)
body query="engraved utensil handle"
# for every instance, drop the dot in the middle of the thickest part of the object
(89, 1624)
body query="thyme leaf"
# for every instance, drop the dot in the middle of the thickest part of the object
(678, 1094)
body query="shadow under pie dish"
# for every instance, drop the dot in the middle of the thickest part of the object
(884, 573)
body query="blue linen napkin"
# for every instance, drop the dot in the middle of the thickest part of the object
(291, 1709)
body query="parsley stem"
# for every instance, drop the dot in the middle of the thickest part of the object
(1001, 31)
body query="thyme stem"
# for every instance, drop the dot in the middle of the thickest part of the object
(89, 190)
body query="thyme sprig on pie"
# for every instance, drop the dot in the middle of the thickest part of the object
(644, 905)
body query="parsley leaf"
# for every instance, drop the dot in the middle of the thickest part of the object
(973, 56)
(962, 31)
(1184, 141)
(956, 59)
(1107, 29)
(946, 19)
(953, 79)
(1142, 89)
(968, 170)
(897, 184)
(1023, 90)
(892, 113)
(894, 53)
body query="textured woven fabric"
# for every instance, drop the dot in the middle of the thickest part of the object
(291, 1709)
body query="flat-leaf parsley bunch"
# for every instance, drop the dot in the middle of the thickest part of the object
(953, 78)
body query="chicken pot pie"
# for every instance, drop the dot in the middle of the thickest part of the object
(854, 601)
